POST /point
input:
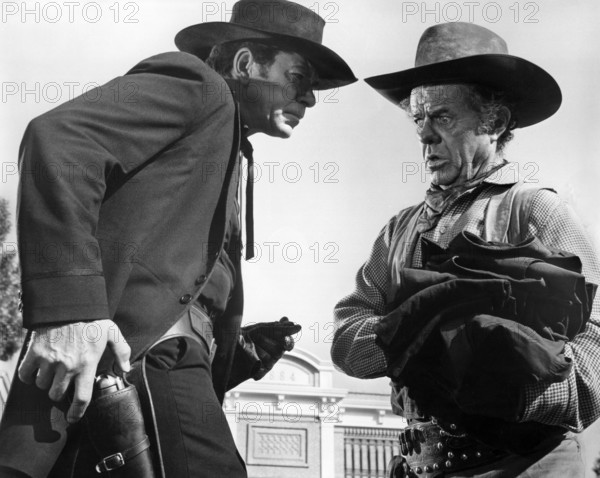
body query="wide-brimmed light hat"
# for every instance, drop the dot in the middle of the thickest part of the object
(285, 24)
(461, 52)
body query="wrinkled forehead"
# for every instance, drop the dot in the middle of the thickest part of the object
(429, 96)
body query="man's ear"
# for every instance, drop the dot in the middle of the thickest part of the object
(242, 62)
(501, 123)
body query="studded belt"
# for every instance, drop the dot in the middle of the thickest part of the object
(429, 451)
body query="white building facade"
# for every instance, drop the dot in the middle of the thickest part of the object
(293, 422)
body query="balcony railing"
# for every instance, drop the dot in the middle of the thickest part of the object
(367, 451)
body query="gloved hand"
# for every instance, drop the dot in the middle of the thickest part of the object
(271, 340)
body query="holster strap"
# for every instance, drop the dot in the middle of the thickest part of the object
(117, 460)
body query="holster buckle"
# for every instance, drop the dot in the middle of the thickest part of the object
(111, 462)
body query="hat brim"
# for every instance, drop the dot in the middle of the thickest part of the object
(333, 71)
(534, 93)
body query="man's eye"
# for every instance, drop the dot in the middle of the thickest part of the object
(443, 120)
(418, 122)
(296, 77)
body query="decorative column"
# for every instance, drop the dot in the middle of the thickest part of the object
(329, 416)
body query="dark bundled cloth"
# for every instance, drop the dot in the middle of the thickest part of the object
(478, 322)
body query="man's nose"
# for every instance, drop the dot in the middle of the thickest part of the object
(427, 134)
(307, 98)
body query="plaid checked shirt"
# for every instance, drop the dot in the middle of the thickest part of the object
(573, 403)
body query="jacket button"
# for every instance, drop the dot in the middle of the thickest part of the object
(185, 299)
(201, 279)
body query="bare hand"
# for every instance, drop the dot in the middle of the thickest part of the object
(60, 355)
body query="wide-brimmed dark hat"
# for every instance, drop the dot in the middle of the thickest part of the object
(466, 53)
(285, 24)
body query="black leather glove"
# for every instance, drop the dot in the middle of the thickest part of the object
(271, 340)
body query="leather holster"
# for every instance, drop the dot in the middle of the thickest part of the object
(117, 431)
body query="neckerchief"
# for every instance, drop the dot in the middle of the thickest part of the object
(437, 199)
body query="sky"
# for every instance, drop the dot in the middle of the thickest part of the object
(354, 161)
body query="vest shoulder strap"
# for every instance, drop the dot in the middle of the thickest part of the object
(508, 212)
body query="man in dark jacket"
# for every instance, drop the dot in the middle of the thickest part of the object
(464, 96)
(131, 252)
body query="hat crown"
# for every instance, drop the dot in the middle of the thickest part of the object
(280, 17)
(450, 41)
(462, 52)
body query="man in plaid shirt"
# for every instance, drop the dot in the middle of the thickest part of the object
(465, 95)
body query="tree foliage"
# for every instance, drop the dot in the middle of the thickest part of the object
(11, 332)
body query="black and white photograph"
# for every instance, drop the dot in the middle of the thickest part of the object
(299, 238)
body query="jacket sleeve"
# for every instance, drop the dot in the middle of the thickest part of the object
(71, 156)
(575, 402)
(353, 349)
(246, 363)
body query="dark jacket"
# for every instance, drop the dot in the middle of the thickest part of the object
(123, 202)
(540, 289)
